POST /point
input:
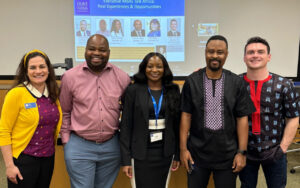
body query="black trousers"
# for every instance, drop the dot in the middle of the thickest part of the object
(36, 171)
(222, 178)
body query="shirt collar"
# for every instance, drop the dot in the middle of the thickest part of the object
(35, 92)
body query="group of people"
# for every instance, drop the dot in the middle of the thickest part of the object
(115, 31)
(221, 123)
(138, 31)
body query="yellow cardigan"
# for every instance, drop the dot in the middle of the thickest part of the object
(18, 124)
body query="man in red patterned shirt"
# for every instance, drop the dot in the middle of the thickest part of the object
(273, 126)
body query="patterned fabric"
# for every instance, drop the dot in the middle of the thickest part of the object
(42, 142)
(213, 103)
(215, 149)
(256, 96)
(278, 100)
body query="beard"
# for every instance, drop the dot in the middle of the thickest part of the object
(214, 68)
(96, 68)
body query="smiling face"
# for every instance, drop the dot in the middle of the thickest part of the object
(83, 25)
(216, 53)
(102, 25)
(118, 25)
(256, 56)
(137, 25)
(154, 70)
(173, 25)
(37, 71)
(154, 26)
(97, 53)
(161, 50)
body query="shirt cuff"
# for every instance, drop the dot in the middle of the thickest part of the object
(65, 137)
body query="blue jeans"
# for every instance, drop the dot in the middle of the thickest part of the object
(275, 173)
(92, 165)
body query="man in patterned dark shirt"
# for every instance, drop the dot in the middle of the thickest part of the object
(215, 106)
(274, 124)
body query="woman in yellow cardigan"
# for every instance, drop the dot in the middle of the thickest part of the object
(30, 122)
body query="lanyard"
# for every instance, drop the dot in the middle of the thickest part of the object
(155, 106)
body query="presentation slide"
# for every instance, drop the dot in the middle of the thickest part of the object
(179, 29)
(133, 28)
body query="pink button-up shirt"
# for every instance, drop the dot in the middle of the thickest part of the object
(91, 102)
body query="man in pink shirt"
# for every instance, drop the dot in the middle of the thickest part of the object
(90, 95)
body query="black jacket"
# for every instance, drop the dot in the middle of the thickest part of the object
(134, 124)
(134, 34)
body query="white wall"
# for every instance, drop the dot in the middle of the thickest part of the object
(48, 25)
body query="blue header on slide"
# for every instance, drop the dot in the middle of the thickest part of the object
(129, 7)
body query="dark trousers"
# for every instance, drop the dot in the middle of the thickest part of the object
(222, 178)
(275, 173)
(36, 171)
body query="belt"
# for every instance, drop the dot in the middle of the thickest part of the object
(97, 142)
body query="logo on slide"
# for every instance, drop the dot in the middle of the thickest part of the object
(82, 7)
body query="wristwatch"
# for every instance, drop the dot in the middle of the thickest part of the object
(243, 152)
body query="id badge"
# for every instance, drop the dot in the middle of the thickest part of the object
(155, 136)
(30, 105)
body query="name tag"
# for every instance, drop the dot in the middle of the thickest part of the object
(30, 105)
(155, 136)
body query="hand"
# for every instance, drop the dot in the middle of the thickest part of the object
(127, 171)
(197, 69)
(283, 148)
(12, 172)
(185, 157)
(239, 162)
(175, 165)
